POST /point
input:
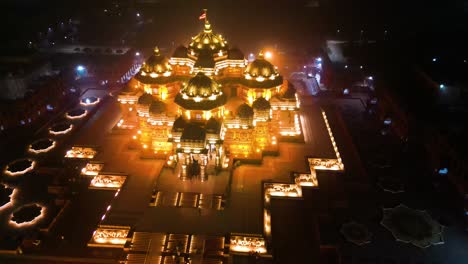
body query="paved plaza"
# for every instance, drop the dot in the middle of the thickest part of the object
(155, 200)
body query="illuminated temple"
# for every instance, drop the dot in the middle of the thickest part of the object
(206, 103)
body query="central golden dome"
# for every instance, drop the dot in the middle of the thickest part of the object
(201, 85)
(201, 93)
(207, 41)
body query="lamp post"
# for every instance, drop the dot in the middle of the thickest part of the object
(80, 71)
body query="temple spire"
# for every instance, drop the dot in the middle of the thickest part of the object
(207, 23)
(260, 54)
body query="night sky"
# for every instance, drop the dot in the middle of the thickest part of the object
(288, 23)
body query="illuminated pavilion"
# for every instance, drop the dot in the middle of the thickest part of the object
(206, 103)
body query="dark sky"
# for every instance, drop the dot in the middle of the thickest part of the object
(254, 23)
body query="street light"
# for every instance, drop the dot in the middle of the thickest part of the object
(268, 55)
(442, 86)
(80, 68)
(137, 53)
(434, 59)
(138, 14)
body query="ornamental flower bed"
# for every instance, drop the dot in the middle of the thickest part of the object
(19, 167)
(42, 145)
(27, 215)
(89, 101)
(76, 113)
(60, 128)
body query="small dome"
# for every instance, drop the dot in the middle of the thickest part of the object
(180, 52)
(261, 68)
(205, 60)
(208, 41)
(145, 99)
(245, 111)
(193, 132)
(235, 54)
(127, 90)
(201, 85)
(290, 93)
(179, 124)
(157, 108)
(213, 125)
(201, 93)
(261, 104)
(157, 63)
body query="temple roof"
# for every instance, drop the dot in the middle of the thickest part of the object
(245, 111)
(235, 54)
(252, 83)
(290, 93)
(205, 60)
(128, 90)
(200, 93)
(208, 41)
(145, 99)
(179, 124)
(157, 63)
(180, 52)
(262, 74)
(160, 80)
(206, 104)
(213, 126)
(201, 85)
(193, 132)
(261, 104)
(157, 107)
(261, 67)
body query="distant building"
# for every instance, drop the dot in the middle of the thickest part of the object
(18, 73)
(28, 89)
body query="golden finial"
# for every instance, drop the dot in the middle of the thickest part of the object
(156, 50)
(260, 54)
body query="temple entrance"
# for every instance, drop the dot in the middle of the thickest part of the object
(193, 166)
(233, 91)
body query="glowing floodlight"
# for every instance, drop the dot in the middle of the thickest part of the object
(247, 243)
(89, 101)
(107, 182)
(81, 153)
(92, 168)
(109, 236)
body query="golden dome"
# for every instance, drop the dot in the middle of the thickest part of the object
(260, 69)
(156, 64)
(201, 85)
(200, 93)
(208, 41)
